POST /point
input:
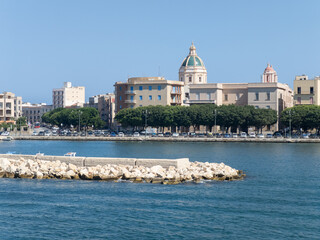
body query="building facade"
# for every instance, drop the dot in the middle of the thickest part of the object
(268, 94)
(10, 107)
(34, 112)
(145, 91)
(105, 104)
(306, 91)
(68, 96)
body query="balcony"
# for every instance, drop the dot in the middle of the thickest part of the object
(130, 101)
(130, 92)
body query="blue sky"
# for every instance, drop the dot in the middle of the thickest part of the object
(96, 43)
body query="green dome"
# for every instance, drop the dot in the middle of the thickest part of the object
(192, 61)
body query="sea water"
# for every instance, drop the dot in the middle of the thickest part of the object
(279, 198)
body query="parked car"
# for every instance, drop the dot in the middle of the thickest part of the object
(243, 135)
(113, 134)
(167, 134)
(184, 134)
(269, 135)
(277, 135)
(83, 134)
(192, 134)
(218, 135)
(260, 135)
(305, 135)
(201, 135)
(209, 134)
(234, 135)
(226, 135)
(252, 135)
(41, 133)
(34, 133)
(175, 134)
(121, 134)
(136, 134)
(160, 134)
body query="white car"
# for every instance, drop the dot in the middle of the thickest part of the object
(252, 135)
(136, 134)
(175, 134)
(34, 133)
(260, 135)
(120, 134)
(243, 135)
(5, 133)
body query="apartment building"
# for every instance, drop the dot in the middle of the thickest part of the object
(10, 107)
(34, 112)
(306, 91)
(105, 104)
(68, 96)
(145, 91)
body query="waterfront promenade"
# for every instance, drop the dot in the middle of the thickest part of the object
(167, 139)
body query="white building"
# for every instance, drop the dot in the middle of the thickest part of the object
(10, 107)
(34, 112)
(68, 96)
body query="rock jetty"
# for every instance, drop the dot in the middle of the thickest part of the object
(40, 169)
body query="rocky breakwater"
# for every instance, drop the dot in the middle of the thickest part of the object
(40, 169)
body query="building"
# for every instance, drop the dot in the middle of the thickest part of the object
(268, 94)
(68, 96)
(34, 112)
(306, 91)
(10, 107)
(192, 70)
(145, 91)
(105, 104)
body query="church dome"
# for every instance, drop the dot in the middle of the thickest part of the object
(192, 60)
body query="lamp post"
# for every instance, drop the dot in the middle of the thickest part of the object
(215, 122)
(146, 123)
(290, 119)
(79, 112)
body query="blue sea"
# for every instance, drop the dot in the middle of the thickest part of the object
(279, 198)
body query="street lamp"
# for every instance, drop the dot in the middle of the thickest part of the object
(146, 123)
(215, 122)
(79, 112)
(290, 119)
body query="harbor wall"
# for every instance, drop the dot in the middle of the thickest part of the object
(94, 161)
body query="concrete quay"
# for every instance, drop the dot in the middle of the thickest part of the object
(166, 139)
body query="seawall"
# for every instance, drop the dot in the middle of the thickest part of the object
(166, 139)
(94, 161)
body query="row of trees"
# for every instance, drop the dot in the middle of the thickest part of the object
(305, 117)
(226, 116)
(67, 117)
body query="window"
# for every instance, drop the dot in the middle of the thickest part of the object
(237, 96)
(299, 100)
(150, 97)
(120, 106)
(257, 97)
(131, 106)
(120, 88)
(190, 79)
(159, 88)
(268, 96)
(209, 96)
(181, 79)
(140, 97)
(140, 88)
(256, 107)
(311, 100)
(197, 96)
(199, 79)
(131, 98)
(268, 107)
(159, 97)
(120, 98)
(311, 90)
(226, 97)
(150, 88)
(131, 88)
(299, 90)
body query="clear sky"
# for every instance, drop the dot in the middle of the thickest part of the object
(96, 43)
